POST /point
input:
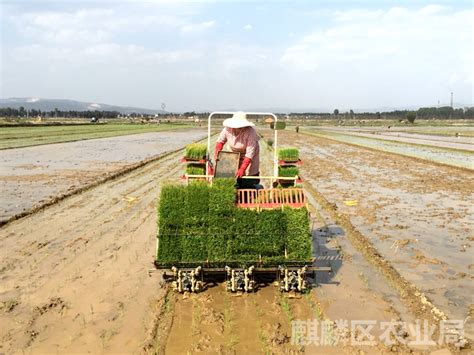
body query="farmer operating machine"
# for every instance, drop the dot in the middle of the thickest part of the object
(210, 231)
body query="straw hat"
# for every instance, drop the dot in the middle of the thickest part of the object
(238, 120)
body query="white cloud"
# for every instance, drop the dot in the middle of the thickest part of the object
(400, 56)
(135, 52)
(423, 38)
(100, 25)
(110, 54)
(197, 27)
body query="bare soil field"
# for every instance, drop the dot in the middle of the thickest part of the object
(75, 274)
(32, 176)
(416, 213)
(73, 278)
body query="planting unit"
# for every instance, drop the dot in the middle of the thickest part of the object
(210, 231)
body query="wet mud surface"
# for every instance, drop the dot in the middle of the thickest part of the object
(75, 274)
(418, 215)
(33, 176)
(455, 141)
(75, 280)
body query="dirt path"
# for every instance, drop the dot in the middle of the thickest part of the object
(74, 275)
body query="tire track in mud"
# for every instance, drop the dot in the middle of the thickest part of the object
(419, 304)
(216, 321)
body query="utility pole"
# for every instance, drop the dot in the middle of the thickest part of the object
(451, 99)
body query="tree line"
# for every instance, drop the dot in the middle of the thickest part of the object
(23, 113)
(445, 112)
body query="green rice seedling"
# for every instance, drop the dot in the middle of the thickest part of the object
(196, 169)
(270, 230)
(243, 242)
(288, 154)
(221, 215)
(200, 222)
(196, 222)
(196, 151)
(170, 216)
(288, 171)
(298, 234)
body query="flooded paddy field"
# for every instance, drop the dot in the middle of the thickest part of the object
(417, 214)
(32, 176)
(460, 139)
(444, 152)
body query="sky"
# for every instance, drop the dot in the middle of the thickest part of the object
(210, 55)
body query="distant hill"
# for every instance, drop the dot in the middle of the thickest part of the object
(74, 105)
(69, 105)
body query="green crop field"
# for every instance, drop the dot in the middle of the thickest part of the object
(15, 137)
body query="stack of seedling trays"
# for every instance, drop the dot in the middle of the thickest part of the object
(195, 160)
(288, 162)
(200, 225)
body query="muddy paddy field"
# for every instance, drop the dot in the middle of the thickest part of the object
(397, 232)
(34, 176)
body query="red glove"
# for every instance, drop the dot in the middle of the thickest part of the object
(243, 167)
(219, 147)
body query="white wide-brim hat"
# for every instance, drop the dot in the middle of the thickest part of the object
(238, 120)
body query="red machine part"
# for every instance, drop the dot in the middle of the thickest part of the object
(271, 198)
